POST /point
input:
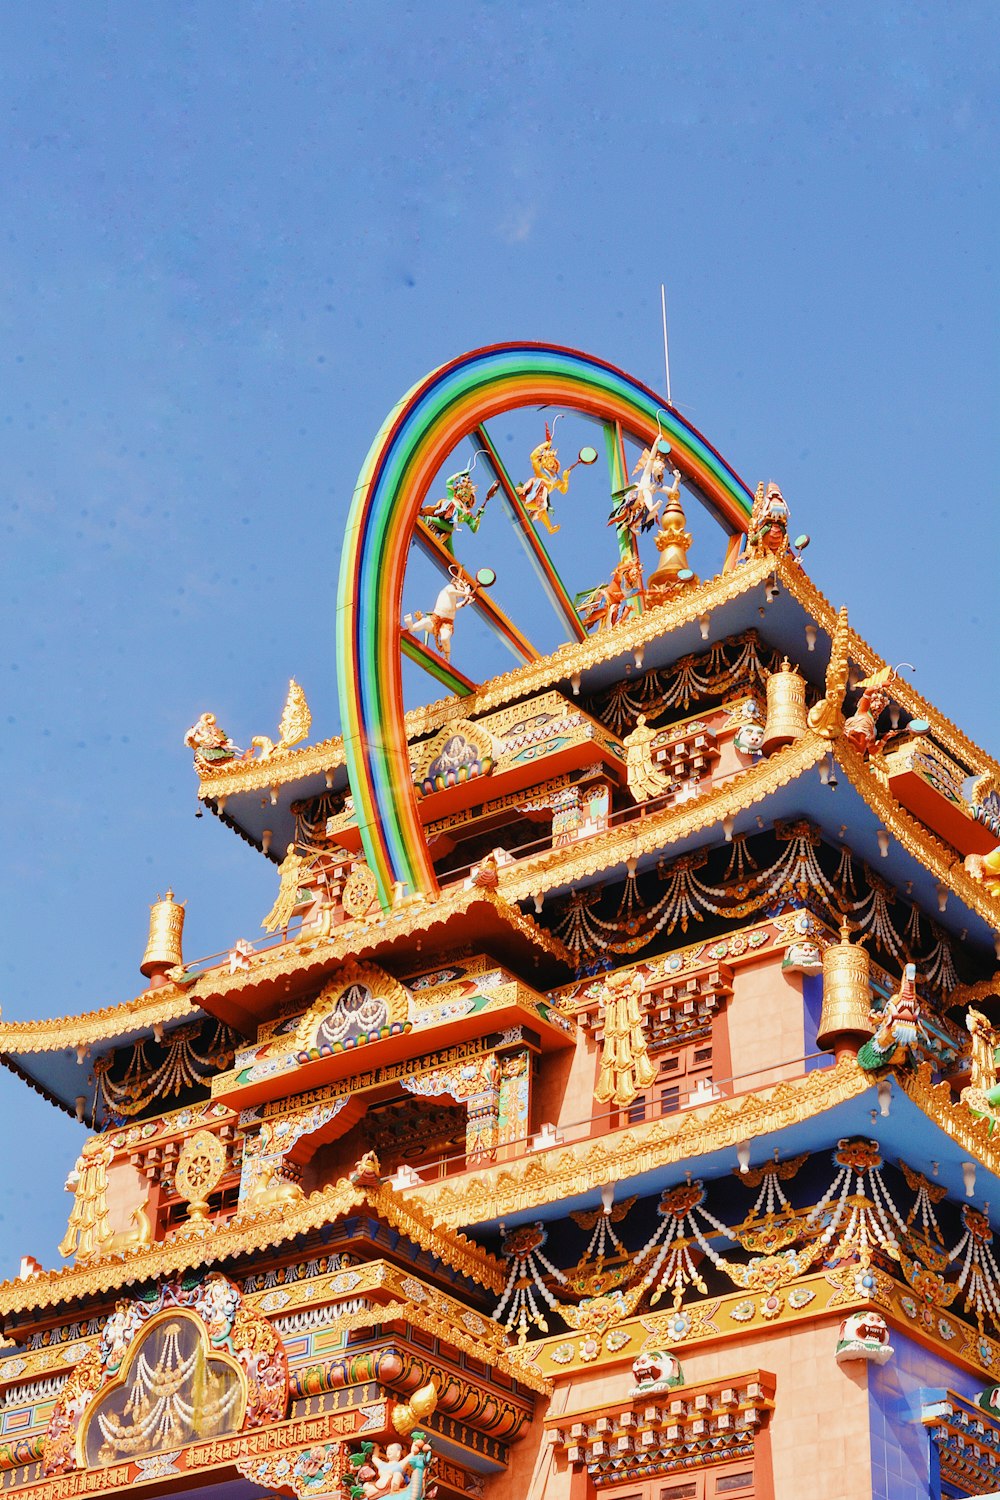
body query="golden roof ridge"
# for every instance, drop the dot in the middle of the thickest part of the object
(146, 1010)
(545, 1176)
(658, 830)
(258, 1232)
(938, 857)
(359, 938)
(519, 682)
(798, 582)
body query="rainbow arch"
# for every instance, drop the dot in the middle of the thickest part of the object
(411, 445)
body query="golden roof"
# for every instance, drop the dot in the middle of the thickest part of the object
(522, 682)
(254, 1233)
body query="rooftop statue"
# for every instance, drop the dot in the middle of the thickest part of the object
(444, 517)
(455, 595)
(536, 492)
(296, 721)
(210, 743)
(637, 509)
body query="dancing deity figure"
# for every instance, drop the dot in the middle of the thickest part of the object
(440, 622)
(458, 508)
(611, 602)
(536, 491)
(637, 510)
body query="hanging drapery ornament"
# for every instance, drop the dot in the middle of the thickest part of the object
(740, 661)
(673, 1266)
(979, 1278)
(872, 1219)
(625, 1064)
(604, 1242)
(771, 1223)
(182, 1067)
(523, 1248)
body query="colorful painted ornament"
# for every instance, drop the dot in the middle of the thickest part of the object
(864, 1336)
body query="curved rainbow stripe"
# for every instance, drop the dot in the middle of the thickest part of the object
(412, 444)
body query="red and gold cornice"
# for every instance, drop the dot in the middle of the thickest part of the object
(255, 1232)
(548, 1176)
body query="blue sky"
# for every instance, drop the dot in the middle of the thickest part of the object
(234, 234)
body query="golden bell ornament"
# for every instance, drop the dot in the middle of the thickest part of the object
(166, 926)
(786, 708)
(847, 997)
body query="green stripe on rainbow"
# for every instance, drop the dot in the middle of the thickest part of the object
(413, 442)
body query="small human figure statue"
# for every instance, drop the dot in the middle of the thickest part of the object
(397, 1473)
(637, 510)
(367, 1171)
(210, 743)
(748, 740)
(768, 530)
(457, 509)
(861, 730)
(899, 1027)
(985, 868)
(645, 780)
(610, 603)
(535, 493)
(440, 623)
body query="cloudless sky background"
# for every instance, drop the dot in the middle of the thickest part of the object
(232, 235)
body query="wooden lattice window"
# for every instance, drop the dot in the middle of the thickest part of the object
(716, 1480)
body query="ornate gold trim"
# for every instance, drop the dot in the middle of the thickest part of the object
(548, 1176)
(369, 936)
(954, 739)
(971, 1132)
(141, 1014)
(939, 858)
(256, 1232)
(602, 851)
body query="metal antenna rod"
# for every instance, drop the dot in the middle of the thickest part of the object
(666, 351)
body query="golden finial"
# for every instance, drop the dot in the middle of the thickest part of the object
(296, 720)
(672, 542)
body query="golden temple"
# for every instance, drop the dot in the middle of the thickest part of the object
(609, 1106)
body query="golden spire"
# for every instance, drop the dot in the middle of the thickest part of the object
(672, 542)
(296, 719)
